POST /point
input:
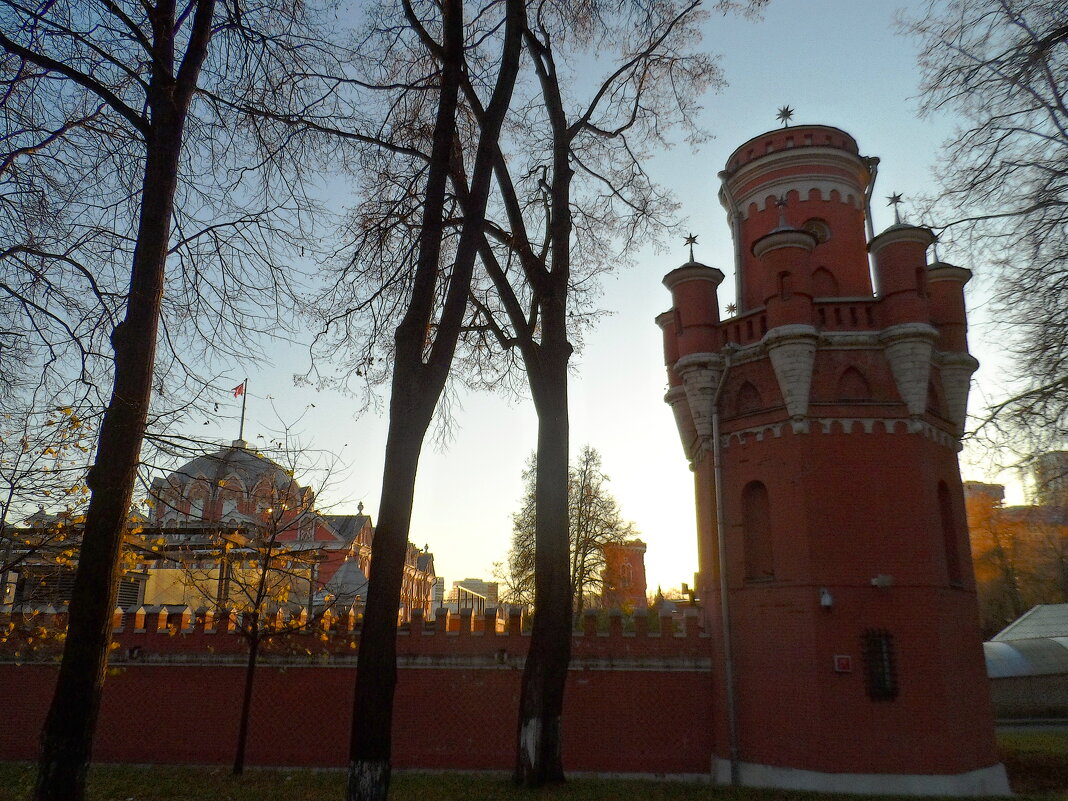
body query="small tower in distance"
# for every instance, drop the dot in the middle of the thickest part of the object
(623, 583)
(822, 423)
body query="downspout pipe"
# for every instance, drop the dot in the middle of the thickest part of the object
(724, 598)
(872, 163)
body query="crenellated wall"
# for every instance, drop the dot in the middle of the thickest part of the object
(638, 698)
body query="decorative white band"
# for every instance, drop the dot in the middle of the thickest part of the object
(846, 425)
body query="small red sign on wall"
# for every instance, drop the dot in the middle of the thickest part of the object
(843, 663)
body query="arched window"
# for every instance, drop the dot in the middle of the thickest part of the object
(748, 399)
(198, 498)
(921, 281)
(626, 575)
(824, 284)
(231, 493)
(263, 497)
(853, 386)
(756, 525)
(950, 541)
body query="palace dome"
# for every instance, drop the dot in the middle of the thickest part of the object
(236, 461)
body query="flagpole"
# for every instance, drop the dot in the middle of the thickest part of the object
(244, 399)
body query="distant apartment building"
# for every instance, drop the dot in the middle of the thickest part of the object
(473, 593)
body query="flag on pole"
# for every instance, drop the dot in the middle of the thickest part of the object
(239, 392)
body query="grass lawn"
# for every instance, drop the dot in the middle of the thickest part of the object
(1037, 763)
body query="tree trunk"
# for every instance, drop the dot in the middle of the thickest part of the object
(246, 697)
(66, 741)
(67, 737)
(415, 392)
(376, 665)
(539, 746)
(541, 703)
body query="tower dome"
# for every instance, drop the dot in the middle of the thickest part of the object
(818, 173)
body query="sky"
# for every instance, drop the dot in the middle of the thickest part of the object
(836, 62)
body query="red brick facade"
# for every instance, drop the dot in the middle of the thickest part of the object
(172, 693)
(833, 412)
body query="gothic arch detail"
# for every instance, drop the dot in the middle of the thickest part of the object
(853, 386)
(748, 399)
(824, 284)
(199, 496)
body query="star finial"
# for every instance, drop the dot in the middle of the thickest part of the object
(894, 199)
(691, 240)
(785, 115)
(780, 204)
(732, 309)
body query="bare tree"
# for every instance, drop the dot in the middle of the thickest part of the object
(570, 197)
(593, 522)
(1020, 557)
(117, 185)
(423, 281)
(43, 457)
(573, 198)
(1051, 556)
(1000, 65)
(1001, 563)
(262, 574)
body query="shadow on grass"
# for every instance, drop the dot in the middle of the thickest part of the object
(1037, 763)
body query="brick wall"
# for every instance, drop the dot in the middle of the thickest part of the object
(637, 701)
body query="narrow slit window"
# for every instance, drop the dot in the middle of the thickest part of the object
(756, 530)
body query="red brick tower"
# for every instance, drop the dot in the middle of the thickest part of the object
(623, 579)
(822, 423)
